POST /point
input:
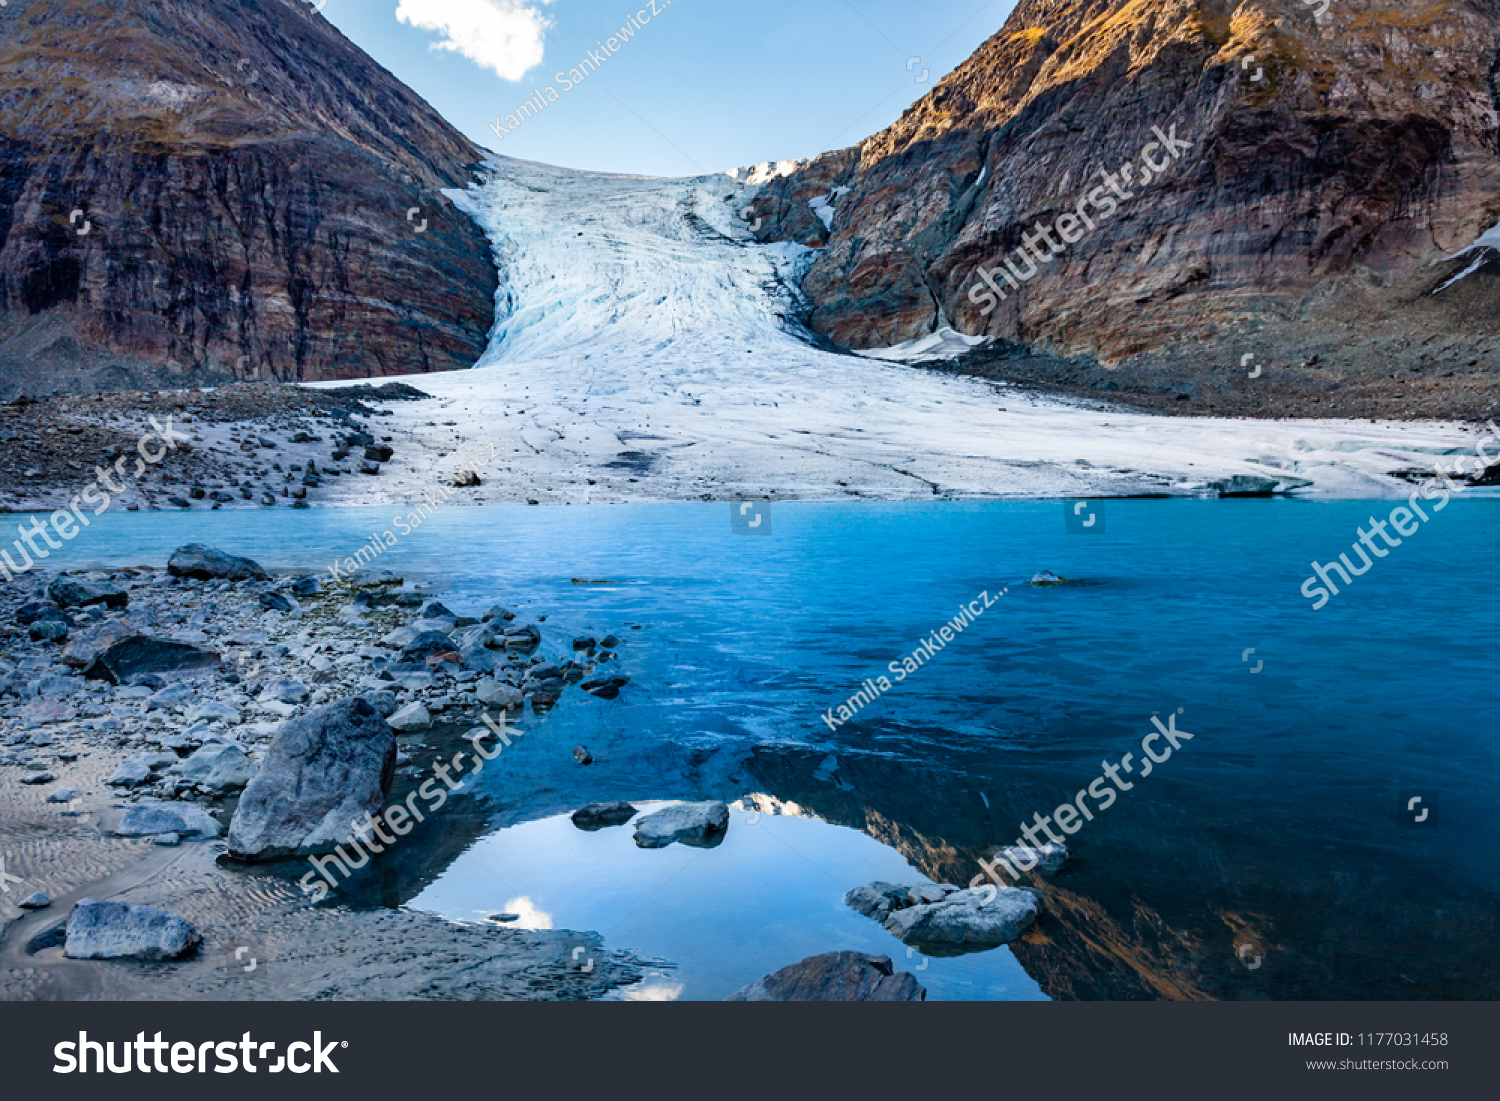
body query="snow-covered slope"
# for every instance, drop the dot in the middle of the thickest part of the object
(643, 352)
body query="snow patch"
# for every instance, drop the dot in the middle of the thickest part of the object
(757, 174)
(1489, 239)
(946, 343)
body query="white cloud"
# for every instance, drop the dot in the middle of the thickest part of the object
(502, 35)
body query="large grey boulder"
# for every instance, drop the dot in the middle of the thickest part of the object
(943, 920)
(154, 819)
(325, 771)
(835, 977)
(140, 654)
(699, 824)
(207, 564)
(69, 593)
(107, 930)
(219, 766)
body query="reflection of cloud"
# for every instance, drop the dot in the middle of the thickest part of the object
(531, 917)
(652, 990)
(502, 35)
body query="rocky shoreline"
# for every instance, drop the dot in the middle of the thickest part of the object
(249, 445)
(136, 705)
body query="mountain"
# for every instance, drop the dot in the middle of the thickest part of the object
(192, 191)
(1313, 175)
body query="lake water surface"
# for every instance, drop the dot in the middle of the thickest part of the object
(1269, 858)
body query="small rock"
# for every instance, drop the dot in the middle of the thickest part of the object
(78, 594)
(166, 839)
(699, 824)
(38, 778)
(220, 767)
(414, 716)
(276, 602)
(47, 630)
(206, 563)
(109, 930)
(582, 755)
(597, 816)
(153, 819)
(37, 900)
(425, 645)
(284, 690)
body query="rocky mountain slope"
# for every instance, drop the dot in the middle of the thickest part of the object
(1311, 179)
(194, 191)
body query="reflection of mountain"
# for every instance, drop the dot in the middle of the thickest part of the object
(1157, 908)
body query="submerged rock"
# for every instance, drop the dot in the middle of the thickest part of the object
(1046, 859)
(108, 930)
(324, 771)
(699, 824)
(208, 563)
(835, 977)
(597, 816)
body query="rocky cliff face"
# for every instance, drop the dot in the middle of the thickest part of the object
(191, 191)
(1149, 179)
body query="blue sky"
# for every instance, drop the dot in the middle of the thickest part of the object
(703, 86)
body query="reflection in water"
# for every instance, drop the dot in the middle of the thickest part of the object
(771, 894)
(1280, 830)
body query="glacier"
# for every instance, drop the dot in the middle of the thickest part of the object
(646, 347)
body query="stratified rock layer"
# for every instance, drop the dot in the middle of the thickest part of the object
(1333, 168)
(195, 192)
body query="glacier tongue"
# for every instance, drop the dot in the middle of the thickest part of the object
(643, 352)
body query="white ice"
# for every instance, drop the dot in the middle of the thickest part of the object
(644, 351)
